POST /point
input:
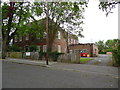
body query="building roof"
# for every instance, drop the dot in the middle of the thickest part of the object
(83, 44)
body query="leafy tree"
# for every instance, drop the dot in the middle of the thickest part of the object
(101, 46)
(33, 48)
(107, 6)
(14, 17)
(68, 15)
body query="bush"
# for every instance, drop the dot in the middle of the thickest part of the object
(102, 52)
(14, 48)
(33, 48)
(108, 50)
(116, 55)
(53, 55)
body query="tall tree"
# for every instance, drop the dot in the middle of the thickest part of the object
(14, 17)
(101, 46)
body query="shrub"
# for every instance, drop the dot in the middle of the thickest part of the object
(33, 48)
(53, 55)
(14, 48)
(102, 52)
(116, 54)
(116, 57)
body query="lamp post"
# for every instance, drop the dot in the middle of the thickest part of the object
(46, 33)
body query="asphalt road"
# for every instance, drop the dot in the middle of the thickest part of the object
(101, 60)
(28, 76)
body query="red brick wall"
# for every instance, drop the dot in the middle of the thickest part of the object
(62, 42)
(90, 48)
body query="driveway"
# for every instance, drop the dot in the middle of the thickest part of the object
(101, 60)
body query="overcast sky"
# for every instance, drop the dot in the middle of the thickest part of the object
(97, 26)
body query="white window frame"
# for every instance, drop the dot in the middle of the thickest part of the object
(59, 48)
(59, 35)
(44, 36)
(44, 48)
(71, 51)
(20, 38)
(27, 36)
(74, 41)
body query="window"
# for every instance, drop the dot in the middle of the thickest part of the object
(58, 34)
(44, 36)
(59, 48)
(74, 41)
(20, 38)
(44, 48)
(71, 41)
(27, 36)
(38, 48)
(38, 36)
(70, 51)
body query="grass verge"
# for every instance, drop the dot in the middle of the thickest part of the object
(85, 60)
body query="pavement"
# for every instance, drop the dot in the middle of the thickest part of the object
(30, 62)
(102, 70)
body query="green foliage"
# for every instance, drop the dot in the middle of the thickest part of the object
(116, 54)
(107, 6)
(107, 46)
(85, 60)
(33, 48)
(52, 55)
(108, 50)
(14, 48)
(101, 46)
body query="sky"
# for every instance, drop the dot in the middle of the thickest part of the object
(97, 26)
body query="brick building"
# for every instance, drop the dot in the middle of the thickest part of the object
(59, 43)
(91, 48)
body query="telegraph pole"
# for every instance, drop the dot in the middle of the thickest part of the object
(46, 33)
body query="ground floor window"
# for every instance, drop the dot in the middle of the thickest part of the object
(70, 51)
(44, 48)
(59, 48)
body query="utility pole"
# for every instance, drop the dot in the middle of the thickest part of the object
(46, 33)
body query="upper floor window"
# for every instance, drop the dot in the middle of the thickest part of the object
(27, 36)
(59, 35)
(38, 35)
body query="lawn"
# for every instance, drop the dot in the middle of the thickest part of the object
(85, 60)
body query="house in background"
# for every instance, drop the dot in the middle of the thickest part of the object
(90, 48)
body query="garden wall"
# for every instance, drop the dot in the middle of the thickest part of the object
(71, 58)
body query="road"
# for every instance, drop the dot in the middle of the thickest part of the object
(101, 60)
(29, 76)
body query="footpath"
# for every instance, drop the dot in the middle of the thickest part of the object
(84, 68)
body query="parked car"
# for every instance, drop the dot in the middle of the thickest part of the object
(83, 53)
